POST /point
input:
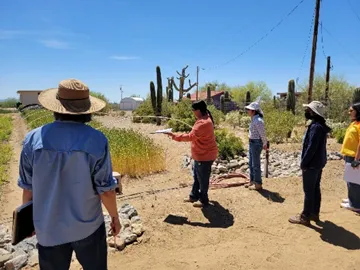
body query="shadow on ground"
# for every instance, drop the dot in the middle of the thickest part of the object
(271, 196)
(215, 213)
(337, 236)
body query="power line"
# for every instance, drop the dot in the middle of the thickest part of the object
(307, 47)
(322, 40)
(260, 39)
(353, 10)
(341, 45)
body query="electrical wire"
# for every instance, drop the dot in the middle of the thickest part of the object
(353, 10)
(259, 40)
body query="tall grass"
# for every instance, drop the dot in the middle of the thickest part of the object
(5, 148)
(131, 152)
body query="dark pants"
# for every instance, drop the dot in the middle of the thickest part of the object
(91, 253)
(353, 189)
(255, 148)
(311, 185)
(201, 174)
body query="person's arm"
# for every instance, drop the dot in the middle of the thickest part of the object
(25, 176)
(260, 127)
(194, 134)
(105, 185)
(309, 152)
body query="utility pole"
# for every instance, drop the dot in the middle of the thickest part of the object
(328, 67)
(197, 83)
(313, 52)
(121, 92)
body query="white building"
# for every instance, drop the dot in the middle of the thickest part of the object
(130, 103)
(29, 96)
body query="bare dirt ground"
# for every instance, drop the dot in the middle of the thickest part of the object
(11, 194)
(241, 230)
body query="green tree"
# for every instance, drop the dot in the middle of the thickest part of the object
(9, 103)
(256, 89)
(215, 86)
(340, 96)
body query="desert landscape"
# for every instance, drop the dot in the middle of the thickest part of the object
(241, 229)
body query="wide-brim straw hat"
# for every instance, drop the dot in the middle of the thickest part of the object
(317, 107)
(71, 97)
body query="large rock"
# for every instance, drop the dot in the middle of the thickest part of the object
(4, 258)
(33, 258)
(119, 244)
(16, 263)
(128, 236)
(137, 229)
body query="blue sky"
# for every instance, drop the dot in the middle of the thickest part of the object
(120, 42)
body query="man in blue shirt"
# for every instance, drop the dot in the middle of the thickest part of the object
(66, 170)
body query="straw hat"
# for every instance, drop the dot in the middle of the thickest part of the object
(317, 107)
(71, 97)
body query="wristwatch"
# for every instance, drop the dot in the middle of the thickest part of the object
(355, 163)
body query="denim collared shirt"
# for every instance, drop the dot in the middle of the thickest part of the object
(66, 165)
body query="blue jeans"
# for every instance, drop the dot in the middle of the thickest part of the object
(311, 186)
(201, 174)
(91, 253)
(353, 189)
(255, 148)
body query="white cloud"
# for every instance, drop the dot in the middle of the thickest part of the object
(55, 44)
(122, 58)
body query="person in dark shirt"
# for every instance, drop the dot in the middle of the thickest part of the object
(313, 160)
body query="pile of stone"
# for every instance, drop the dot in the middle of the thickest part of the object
(281, 164)
(26, 254)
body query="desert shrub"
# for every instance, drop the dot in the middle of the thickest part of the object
(5, 148)
(132, 153)
(9, 103)
(122, 113)
(228, 143)
(245, 121)
(233, 119)
(102, 97)
(145, 109)
(278, 125)
(5, 111)
(182, 118)
(339, 134)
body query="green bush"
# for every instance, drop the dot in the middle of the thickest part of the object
(233, 119)
(339, 134)
(145, 109)
(217, 115)
(182, 117)
(245, 121)
(103, 98)
(278, 125)
(228, 143)
(9, 103)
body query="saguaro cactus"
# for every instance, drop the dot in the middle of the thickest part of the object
(188, 95)
(248, 98)
(208, 96)
(291, 99)
(156, 98)
(222, 103)
(356, 96)
(169, 89)
(182, 78)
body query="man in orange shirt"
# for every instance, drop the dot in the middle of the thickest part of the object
(204, 151)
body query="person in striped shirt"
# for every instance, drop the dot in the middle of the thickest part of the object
(257, 142)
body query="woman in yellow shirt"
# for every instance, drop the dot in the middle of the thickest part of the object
(351, 152)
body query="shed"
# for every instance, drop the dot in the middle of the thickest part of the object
(130, 103)
(28, 97)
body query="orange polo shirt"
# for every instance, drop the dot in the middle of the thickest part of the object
(202, 138)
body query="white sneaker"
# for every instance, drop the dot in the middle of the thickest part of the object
(345, 200)
(349, 207)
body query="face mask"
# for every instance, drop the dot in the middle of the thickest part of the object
(308, 115)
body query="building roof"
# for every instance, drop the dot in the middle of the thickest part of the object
(28, 91)
(203, 94)
(284, 94)
(133, 98)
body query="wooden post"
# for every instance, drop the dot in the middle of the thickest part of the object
(313, 52)
(197, 83)
(328, 67)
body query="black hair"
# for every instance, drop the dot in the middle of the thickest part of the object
(259, 114)
(81, 118)
(201, 105)
(356, 108)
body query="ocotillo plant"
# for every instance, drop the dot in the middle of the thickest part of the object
(291, 99)
(222, 103)
(248, 98)
(208, 95)
(156, 98)
(356, 96)
(182, 78)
